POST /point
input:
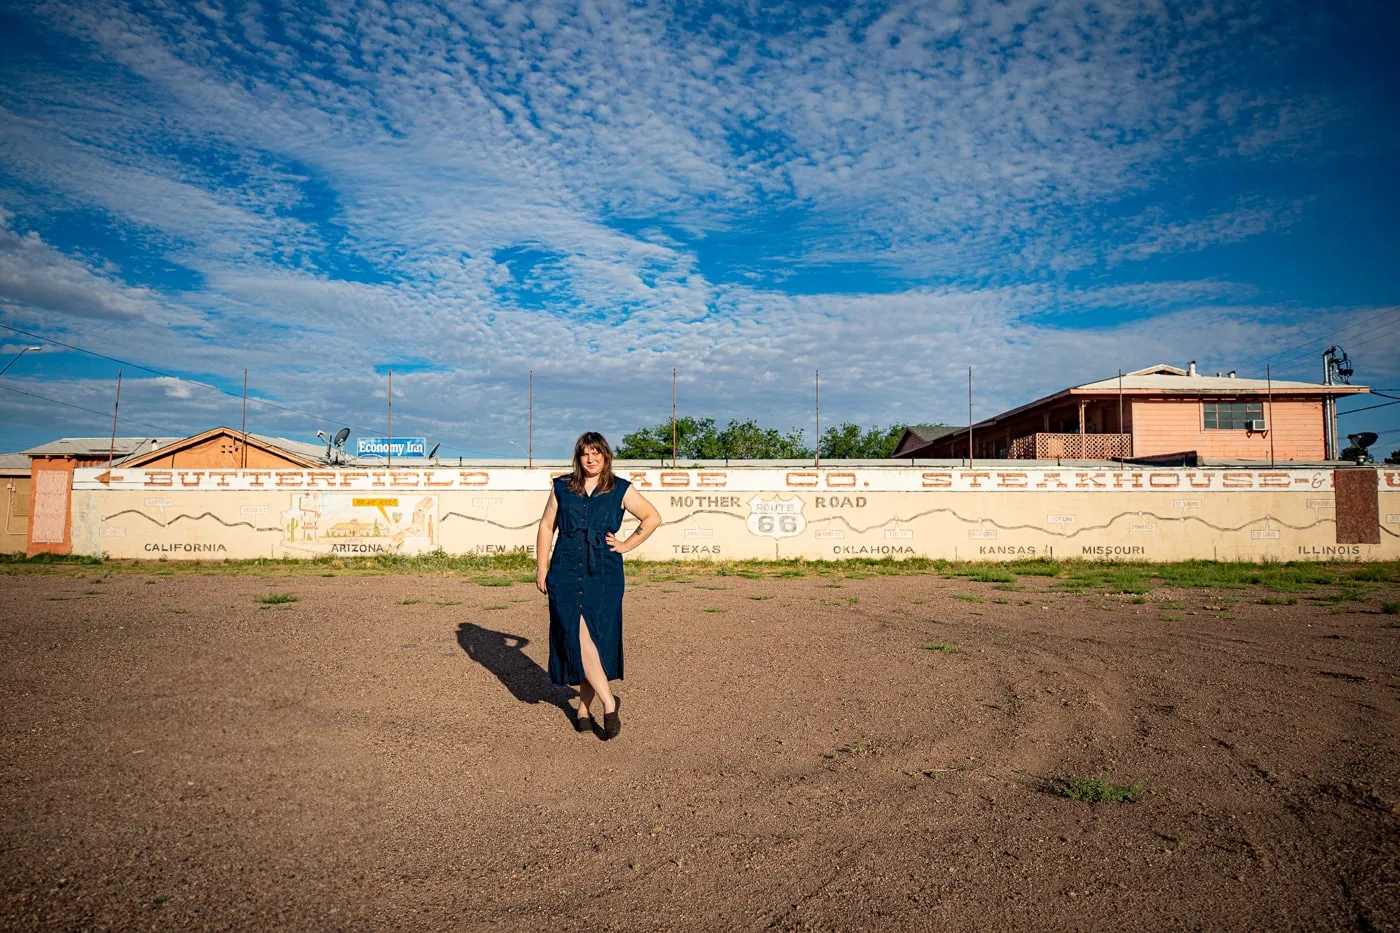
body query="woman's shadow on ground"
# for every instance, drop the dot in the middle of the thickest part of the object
(504, 655)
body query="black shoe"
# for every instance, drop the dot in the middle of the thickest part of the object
(583, 723)
(612, 725)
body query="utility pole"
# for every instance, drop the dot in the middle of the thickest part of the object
(1334, 360)
(244, 459)
(969, 417)
(112, 449)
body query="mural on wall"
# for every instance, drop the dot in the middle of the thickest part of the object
(334, 523)
(831, 514)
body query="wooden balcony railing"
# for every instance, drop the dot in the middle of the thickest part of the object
(1071, 447)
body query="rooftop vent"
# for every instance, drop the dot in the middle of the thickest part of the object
(1232, 374)
(1191, 368)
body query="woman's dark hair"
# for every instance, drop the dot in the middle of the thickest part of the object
(595, 441)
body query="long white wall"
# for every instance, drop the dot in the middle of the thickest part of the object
(763, 512)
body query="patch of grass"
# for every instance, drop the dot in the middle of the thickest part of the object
(1038, 567)
(1391, 607)
(851, 748)
(1096, 790)
(792, 572)
(1001, 601)
(852, 600)
(830, 586)
(1376, 573)
(278, 599)
(1009, 587)
(1279, 601)
(1126, 581)
(828, 602)
(1205, 574)
(494, 581)
(986, 574)
(408, 602)
(703, 586)
(447, 602)
(967, 597)
(714, 609)
(1137, 600)
(495, 607)
(1171, 604)
(1171, 618)
(762, 596)
(939, 646)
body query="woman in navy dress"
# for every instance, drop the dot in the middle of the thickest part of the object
(584, 578)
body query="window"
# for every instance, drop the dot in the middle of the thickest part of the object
(1232, 416)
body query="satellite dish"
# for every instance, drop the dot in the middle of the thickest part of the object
(1361, 440)
(340, 437)
(433, 453)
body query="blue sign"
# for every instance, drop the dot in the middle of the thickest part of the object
(405, 447)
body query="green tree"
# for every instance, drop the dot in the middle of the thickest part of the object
(699, 439)
(692, 437)
(745, 440)
(848, 441)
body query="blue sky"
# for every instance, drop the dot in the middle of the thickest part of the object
(748, 192)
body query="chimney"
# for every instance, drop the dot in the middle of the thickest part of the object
(1232, 374)
(1191, 368)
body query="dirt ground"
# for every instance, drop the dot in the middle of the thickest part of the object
(877, 753)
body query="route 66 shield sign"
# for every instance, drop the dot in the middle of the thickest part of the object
(776, 518)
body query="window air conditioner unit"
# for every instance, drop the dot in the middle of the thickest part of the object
(1257, 424)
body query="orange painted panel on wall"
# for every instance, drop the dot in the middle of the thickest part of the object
(1162, 426)
(51, 483)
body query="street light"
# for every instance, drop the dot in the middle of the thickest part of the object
(18, 355)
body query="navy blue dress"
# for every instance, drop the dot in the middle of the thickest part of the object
(585, 579)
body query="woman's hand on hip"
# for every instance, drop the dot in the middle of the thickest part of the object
(616, 545)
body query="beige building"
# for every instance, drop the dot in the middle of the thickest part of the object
(14, 477)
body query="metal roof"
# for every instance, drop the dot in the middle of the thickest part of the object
(14, 464)
(99, 446)
(1199, 384)
(310, 451)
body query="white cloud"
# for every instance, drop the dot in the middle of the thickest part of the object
(341, 184)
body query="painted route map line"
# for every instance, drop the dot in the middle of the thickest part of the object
(194, 518)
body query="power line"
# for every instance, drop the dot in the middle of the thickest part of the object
(1292, 351)
(205, 385)
(91, 411)
(165, 375)
(1356, 411)
(1353, 337)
